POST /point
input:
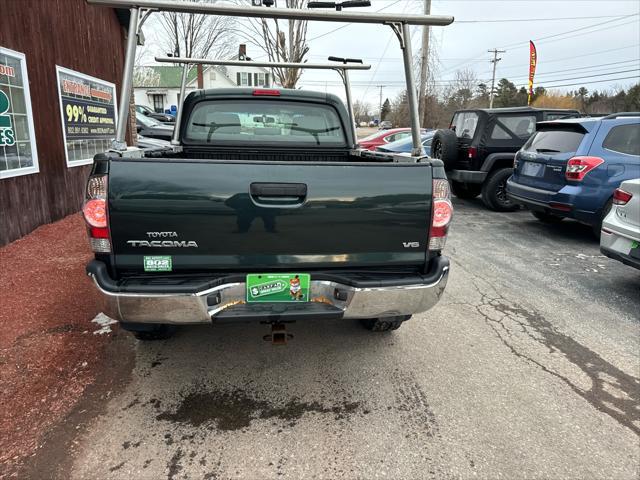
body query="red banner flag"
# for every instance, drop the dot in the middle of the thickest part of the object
(533, 60)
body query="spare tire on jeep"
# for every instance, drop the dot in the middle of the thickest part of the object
(445, 147)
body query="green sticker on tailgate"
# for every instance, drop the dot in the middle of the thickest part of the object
(278, 287)
(157, 264)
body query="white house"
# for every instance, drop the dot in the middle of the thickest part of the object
(158, 87)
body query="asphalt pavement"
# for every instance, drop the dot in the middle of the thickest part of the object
(528, 368)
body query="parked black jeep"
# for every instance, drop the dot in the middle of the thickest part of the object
(479, 146)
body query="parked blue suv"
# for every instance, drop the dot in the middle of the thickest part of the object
(570, 168)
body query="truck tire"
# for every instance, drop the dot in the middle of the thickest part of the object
(466, 191)
(384, 324)
(494, 191)
(549, 218)
(445, 147)
(149, 332)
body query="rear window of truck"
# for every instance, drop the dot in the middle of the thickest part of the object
(554, 141)
(264, 122)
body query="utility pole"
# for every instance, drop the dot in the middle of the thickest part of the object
(380, 105)
(424, 65)
(495, 61)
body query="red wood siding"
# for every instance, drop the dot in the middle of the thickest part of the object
(72, 34)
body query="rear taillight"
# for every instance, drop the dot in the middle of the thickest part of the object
(95, 213)
(620, 197)
(472, 152)
(441, 214)
(578, 167)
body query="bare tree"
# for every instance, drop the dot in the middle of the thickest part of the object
(361, 111)
(282, 41)
(460, 92)
(197, 35)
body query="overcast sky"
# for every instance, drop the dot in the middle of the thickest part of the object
(579, 51)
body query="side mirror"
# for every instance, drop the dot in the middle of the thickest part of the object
(138, 128)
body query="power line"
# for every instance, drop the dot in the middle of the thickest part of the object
(589, 67)
(506, 20)
(384, 52)
(502, 20)
(622, 17)
(596, 75)
(540, 39)
(587, 83)
(511, 67)
(443, 82)
(349, 24)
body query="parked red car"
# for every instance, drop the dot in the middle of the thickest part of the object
(383, 137)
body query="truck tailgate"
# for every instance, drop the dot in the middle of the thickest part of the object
(262, 216)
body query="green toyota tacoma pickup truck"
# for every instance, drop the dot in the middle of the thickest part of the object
(266, 211)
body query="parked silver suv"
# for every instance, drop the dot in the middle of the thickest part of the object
(620, 238)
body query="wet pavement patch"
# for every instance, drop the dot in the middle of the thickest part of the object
(174, 465)
(234, 410)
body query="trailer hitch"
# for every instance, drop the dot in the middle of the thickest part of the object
(278, 335)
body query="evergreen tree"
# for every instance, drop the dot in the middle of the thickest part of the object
(506, 93)
(386, 108)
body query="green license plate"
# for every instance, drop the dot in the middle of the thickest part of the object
(278, 287)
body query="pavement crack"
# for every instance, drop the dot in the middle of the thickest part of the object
(496, 310)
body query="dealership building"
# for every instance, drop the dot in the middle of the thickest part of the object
(60, 67)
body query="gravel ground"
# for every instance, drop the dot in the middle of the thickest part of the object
(528, 368)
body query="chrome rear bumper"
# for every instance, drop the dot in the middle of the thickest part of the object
(341, 300)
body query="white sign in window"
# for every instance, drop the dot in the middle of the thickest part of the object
(89, 114)
(18, 154)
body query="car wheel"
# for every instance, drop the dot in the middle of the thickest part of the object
(445, 147)
(597, 227)
(149, 332)
(384, 324)
(494, 191)
(549, 218)
(466, 191)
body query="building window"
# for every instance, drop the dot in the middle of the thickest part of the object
(212, 76)
(261, 80)
(88, 112)
(158, 103)
(18, 155)
(244, 79)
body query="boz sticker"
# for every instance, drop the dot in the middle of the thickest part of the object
(157, 264)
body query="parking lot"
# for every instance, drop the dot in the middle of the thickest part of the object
(528, 368)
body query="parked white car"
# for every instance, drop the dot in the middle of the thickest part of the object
(620, 237)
